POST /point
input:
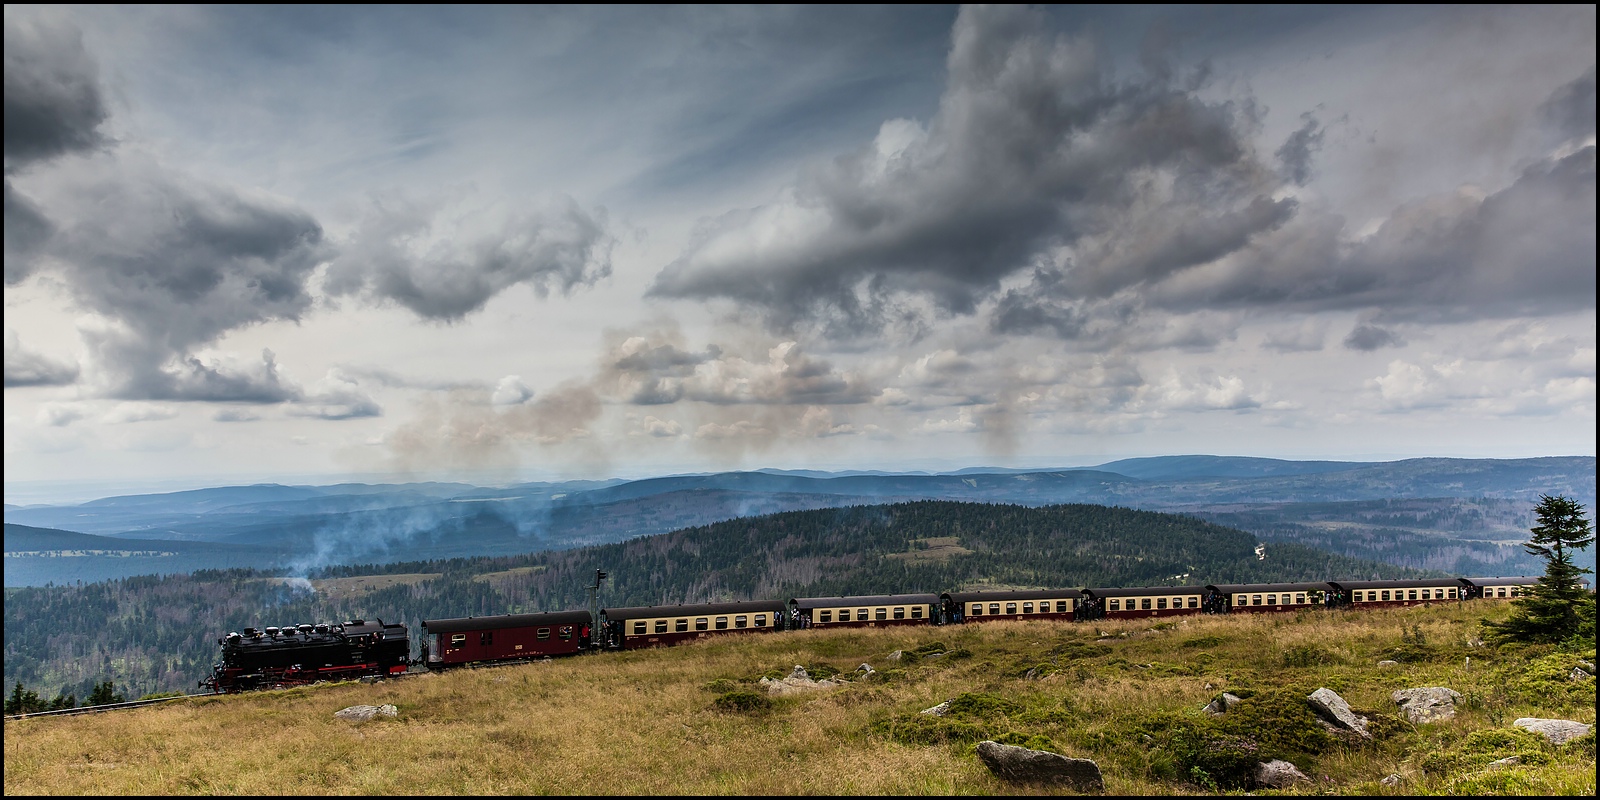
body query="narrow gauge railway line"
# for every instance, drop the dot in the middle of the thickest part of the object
(69, 712)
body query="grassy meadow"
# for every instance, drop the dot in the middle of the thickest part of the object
(691, 720)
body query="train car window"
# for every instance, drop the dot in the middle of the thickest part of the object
(679, 626)
(458, 640)
(639, 628)
(661, 626)
(1161, 602)
(722, 623)
(977, 609)
(741, 621)
(1513, 592)
(994, 608)
(899, 612)
(1272, 599)
(1194, 602)
(1411, 595)
(702, 623)
(861, 615)
(916, 612)
(1386, 594)
(486, 638)
(1255, 600)
(1144, 604)
(1116, 605)
(1027, 608)
(1299, 599)
(1011, 608)
(543, 634)
(1063, 606)
(881, 613)
(565, 633)
(844, 615)
(761, 620)
(826, 616)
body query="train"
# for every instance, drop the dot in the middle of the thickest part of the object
(277, 657)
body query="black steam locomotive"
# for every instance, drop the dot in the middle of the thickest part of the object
(292, 656)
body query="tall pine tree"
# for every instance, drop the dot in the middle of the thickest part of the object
(1558, 608)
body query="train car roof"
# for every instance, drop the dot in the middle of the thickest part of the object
(1011, 594)
(865, 600)
(504, 621)
(1237, 588)
(1519, 580)
(691, 610)
(1145, 591)
(1422, 583)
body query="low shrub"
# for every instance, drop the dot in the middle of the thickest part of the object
(1478, 748)
(926, 729)
(1203, 641)
(1032, 741)
(1308, 655)
(722, 686)
(743, 701)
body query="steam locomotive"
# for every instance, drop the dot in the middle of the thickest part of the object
(289, 656)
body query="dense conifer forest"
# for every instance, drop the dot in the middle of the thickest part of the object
(152, 634)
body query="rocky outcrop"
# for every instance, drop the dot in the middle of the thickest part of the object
(1337, 712)
(1220, 706)
(796, 682)
(1558, 731)
(364, 713)
(1277, 774)
(938, 710)
(1021, 765)
(1426, 704)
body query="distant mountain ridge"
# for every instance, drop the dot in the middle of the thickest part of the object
(1473, 503)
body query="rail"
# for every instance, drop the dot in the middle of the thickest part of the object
(67, 712)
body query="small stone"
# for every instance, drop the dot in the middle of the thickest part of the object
(1577, 674)
(938, 710)
(897, 655)
(1277, 774)
(1558, 731)
(1427, 704)
(364, 713)
(1387, 663)
(1509, 761)
(800, 673)
(1392, 780)
(865, 669)
(1022, 765)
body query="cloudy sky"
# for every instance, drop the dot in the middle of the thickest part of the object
(331, 243)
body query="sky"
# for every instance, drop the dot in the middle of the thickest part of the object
(316, 244)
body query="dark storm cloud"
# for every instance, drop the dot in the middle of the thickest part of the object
(1570, 110)
(560, 247)
(176, 263)
(53, 106)
(1033, 149)
(1297, 151)
(1371, 337)
(53, 103)
(27, 368)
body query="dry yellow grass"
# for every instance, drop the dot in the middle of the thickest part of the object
(645, 722)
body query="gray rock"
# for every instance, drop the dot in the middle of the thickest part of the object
(800, 673)
(865, 669)
(1577, 674)
(938, 710)
(897, 655)
(1558, 731)
(1387, 663)
(1586, 667)
(1393, 779)
(1277, 774)
(1021, 765)
(1335, 710)
(364, 713)
(1220, 706)
(1426, 704)
(1509, 761)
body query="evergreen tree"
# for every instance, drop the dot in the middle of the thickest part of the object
(23, 701)
(104, 694)
(1558, 608)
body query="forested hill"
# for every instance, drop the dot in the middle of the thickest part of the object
(932, 546)
(159, 633)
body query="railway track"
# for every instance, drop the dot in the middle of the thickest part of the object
(67, 712)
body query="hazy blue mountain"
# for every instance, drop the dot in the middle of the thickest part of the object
(1181, 467)
(1466, 512)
